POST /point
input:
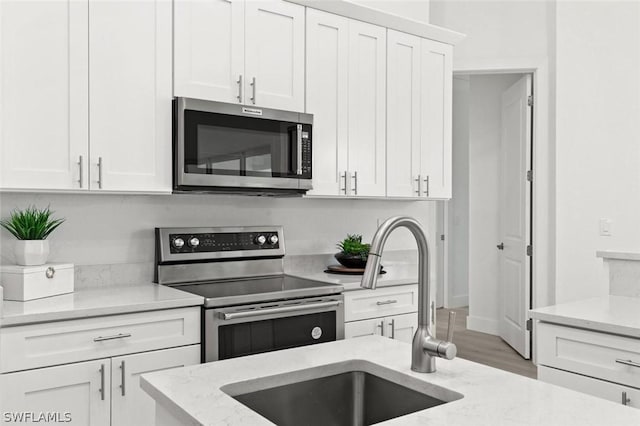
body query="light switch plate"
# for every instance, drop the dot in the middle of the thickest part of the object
(605, 227)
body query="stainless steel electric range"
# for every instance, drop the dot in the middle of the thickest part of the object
(250, 306)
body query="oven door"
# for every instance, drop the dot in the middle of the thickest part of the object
(232, 146)
(249, 329)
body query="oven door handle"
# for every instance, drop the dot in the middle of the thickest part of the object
(280, 310)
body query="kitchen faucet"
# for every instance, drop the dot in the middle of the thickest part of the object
(425, 347)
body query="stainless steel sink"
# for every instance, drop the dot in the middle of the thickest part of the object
(348, 393)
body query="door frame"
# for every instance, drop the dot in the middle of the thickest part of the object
(542, 221)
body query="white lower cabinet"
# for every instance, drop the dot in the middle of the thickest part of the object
(389, 311)
(78, 394)
(592, 362)
(398, 327)
(130, 405)
(104, 387)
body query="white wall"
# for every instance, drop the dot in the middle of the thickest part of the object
(107, 229)
(598, 139)
(516, 35)
(485, 124)
(417, 10)
(458, 233)
(497, 31)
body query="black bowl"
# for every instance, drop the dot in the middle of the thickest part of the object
(351, 260)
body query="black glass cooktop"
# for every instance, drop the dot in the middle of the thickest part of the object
(256, 290)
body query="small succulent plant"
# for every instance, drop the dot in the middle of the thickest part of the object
(353, 245)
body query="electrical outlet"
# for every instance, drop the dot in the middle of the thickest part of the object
(606, 227)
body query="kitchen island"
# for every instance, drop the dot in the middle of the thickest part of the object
(194, 395)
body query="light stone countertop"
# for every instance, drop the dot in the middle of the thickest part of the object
(93, 302)
(608, 314)
(618, 255)
(193, 394)
(397, 274)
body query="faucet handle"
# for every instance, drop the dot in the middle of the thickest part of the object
(450, 327)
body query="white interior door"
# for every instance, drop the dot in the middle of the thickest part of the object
(515, 216)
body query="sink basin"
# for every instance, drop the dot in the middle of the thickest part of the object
(348, 393)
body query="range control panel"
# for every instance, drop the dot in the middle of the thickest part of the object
(230, 241)
(218, 243)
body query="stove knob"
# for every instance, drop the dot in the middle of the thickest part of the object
(194, 242)
(261, 239)
(178, 243)
(273, 240)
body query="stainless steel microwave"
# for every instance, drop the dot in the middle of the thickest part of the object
(220, 147)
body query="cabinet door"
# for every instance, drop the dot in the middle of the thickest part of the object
(43, 94)
(403, 115)
(130, 95)
(79, 394)
(208, 41)
(327, 74)
(436, 82)
(130, 404)
(402, 327)
(274, 55)
(367, 104)
(370, 327)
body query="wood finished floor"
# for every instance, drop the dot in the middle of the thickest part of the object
(481, 347)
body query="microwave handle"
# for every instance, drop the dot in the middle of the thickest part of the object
(299, 148)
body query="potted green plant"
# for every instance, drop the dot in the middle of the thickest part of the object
(353, 252)
(31, 227)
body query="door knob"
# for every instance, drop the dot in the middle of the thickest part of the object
(500, 246)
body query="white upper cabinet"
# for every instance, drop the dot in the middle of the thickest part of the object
(274, 55)
(367, 105)
(43, 95)
(346, 74)
(403, 115)
(248, 52)
(419, 87)
(130, 95)
(209, 49)
(327, 100)
(436, 114)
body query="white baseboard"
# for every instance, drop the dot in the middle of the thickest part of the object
(484, 325)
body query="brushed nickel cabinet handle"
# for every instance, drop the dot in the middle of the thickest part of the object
(122, 377)
(381, 327)
(81, 168)
(419, 180)
(253, 90)
(101, 390)
(114, 337)
(100, 172)
(344, 176)
(50, 272)
(393, 328)
(355, 183)
(426, 183)
(386, 302)
(239, 88)
(625, 400)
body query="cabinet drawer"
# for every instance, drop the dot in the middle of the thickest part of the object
(605, 390)
(589, 353)
(386, 301)
(40, 345)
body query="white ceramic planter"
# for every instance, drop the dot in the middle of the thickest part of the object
(31, 252)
